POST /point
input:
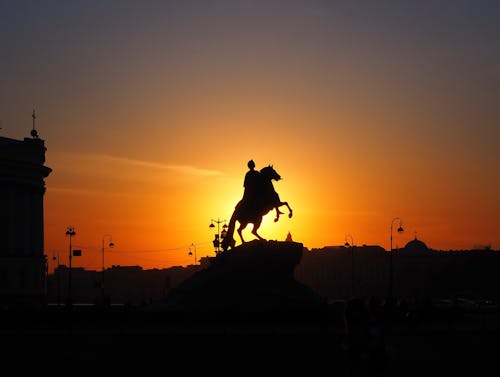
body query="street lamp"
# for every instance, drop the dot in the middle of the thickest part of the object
(110, 244)
(391, 271)
(192, 247)
(219, 235)
(351, 246)
(58, 277)
(70, 231)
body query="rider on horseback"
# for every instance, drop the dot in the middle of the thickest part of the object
(251, 182)
(254, 185)
(258, 199)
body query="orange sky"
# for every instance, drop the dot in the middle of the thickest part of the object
(150, 113)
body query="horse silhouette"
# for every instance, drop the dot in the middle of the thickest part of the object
(251, 211)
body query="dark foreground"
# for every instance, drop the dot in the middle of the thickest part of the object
(309, 343)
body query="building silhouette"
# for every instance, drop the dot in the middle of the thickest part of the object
(125, 285)
(339, 272)
(22, 187)
(333, 272)
(329, 271)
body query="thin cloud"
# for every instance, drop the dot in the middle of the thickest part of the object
(78, 191)
(183, 169)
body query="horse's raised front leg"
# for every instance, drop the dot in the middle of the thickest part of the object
(278, 212)
(290, 213)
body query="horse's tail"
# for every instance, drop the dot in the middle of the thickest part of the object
(228, 240)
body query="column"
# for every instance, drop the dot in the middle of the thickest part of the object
(11, 218)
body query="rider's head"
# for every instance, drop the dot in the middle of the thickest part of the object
(251, 164)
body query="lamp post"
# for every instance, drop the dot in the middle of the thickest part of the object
(193, 247)
(391, 270)
(219, 235)
(111, 244)
(58, 278)
(351, 246)
(70, 231)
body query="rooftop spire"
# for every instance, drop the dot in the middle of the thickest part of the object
(34, 132)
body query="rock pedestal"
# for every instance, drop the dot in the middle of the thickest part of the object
(257, 276)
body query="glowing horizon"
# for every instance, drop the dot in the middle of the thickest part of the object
(150, 113)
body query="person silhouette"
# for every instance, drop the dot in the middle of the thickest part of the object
(251, 183)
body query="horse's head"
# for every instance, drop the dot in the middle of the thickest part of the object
(269, 173)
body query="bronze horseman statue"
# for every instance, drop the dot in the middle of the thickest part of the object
(258, 199)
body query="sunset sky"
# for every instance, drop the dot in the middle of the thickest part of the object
(150, 110)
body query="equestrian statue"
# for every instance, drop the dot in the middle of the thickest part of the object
(259, 198)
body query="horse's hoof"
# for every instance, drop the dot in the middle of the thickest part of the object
(276, 219)
(290, 215)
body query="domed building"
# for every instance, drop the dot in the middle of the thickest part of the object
(416, 245)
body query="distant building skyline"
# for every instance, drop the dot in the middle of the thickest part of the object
(333, 272)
